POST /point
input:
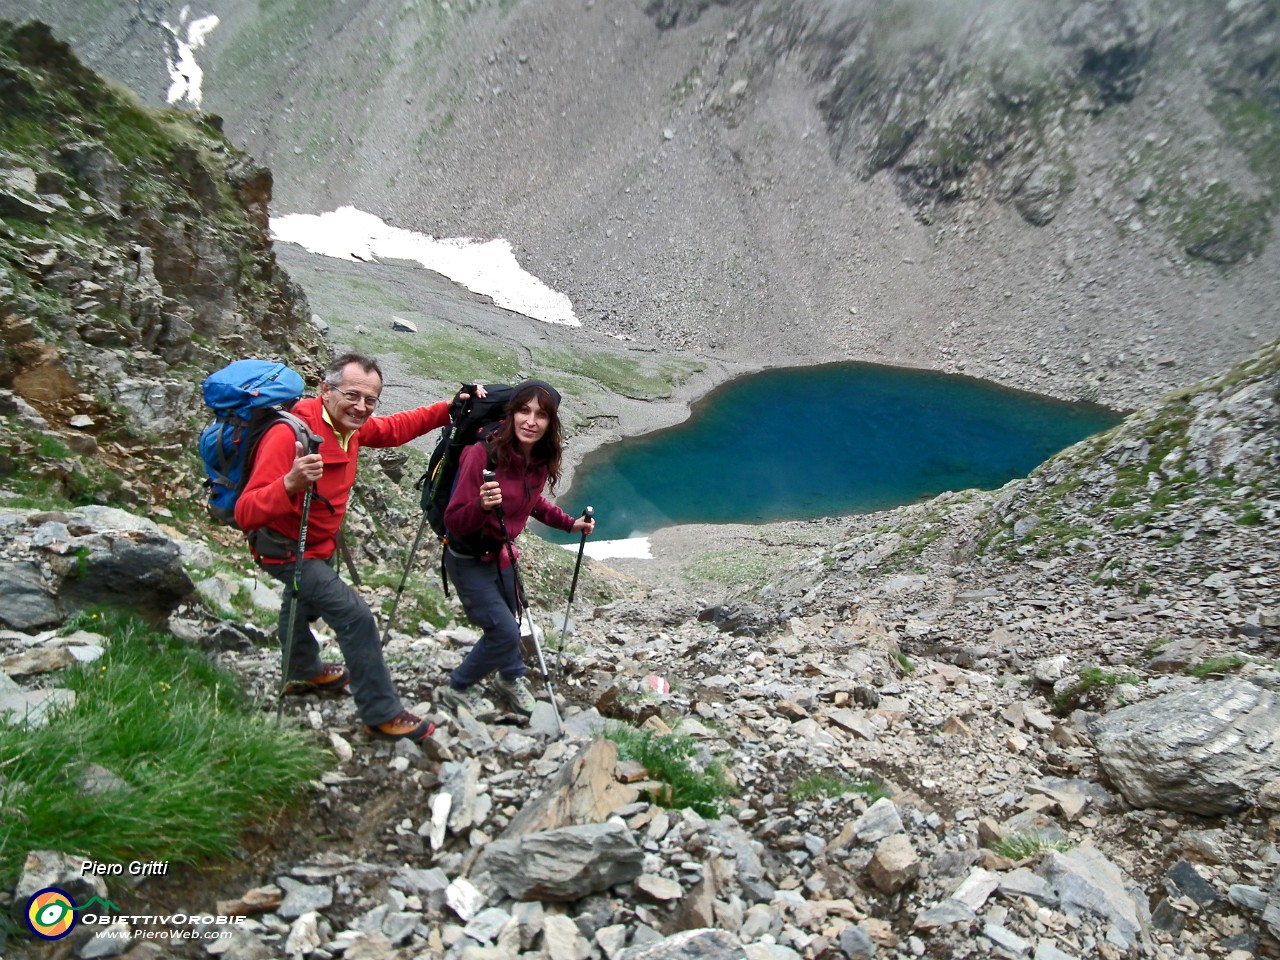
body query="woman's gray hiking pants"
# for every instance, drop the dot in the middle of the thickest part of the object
(487, 593)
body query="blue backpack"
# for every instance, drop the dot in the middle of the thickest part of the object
(247, 398)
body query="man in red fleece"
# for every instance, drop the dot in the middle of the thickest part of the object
(271, 508)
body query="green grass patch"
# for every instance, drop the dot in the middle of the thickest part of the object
(43, 474)
(732, 567)
(1220, 222)
(826, 784)
(672, 760)
(422, 598)
(1249, 515)
(265, 48)
(1024, 846)
(1223, 224)
(1224, 664)
(336, 294)
(1255, 129)
(1092, 679)
(451, 357)
(685, 86)
(627, 376)
(201, 764)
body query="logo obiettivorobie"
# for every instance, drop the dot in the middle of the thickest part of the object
(51, 913)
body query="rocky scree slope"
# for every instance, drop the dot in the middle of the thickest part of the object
(1074, 762)
(1075, 199)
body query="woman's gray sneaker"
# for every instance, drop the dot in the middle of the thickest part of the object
(469, 699)
(516, 693)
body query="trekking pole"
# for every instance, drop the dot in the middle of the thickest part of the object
(312, 447)
(347, 559)
(587, 514)
(522, 609)
(395, 604)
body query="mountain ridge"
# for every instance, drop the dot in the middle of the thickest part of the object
(702, 187)
(1021, 670)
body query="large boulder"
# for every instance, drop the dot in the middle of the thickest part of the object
(1206, 749)
(60, 562)
(141, 570)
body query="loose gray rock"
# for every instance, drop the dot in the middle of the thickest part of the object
(856, 943)
(1087, 883)
(561, 939)
(25, 601)
(50, 868)
(302, 898)
(430, 885)
(487, 924)
(33, 707)
(881, 820)
(565, 864)
(690, 945)
(111, 941)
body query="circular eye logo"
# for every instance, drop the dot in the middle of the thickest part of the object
(51, 914)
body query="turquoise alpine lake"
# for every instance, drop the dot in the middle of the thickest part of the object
(805, 442)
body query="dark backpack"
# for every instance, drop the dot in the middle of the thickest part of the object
(247, 398)
(471, 420)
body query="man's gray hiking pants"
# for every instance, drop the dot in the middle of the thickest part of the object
(322, 593)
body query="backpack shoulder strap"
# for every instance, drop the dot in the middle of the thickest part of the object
(302, 434)
(263, 420)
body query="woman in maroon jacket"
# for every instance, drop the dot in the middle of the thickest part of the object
(524, 453)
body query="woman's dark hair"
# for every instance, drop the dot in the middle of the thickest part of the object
(549, 448)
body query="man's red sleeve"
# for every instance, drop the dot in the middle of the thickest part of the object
(265, 499)
(398, 428)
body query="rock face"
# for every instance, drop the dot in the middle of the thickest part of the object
(1026, 193)
(988, 102)
(1206, 750)
(152, 251)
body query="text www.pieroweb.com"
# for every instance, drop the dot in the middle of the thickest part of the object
(178, 926)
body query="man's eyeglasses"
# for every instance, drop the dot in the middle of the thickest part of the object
(353, 397)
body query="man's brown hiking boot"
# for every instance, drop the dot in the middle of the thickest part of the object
(403, 726)
(330, 682)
